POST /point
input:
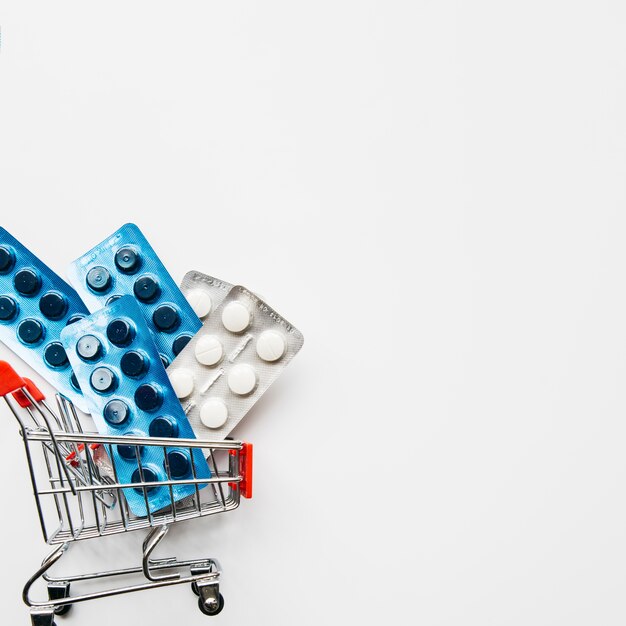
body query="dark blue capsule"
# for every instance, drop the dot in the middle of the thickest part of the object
(149, 476)
(54, 355)
(112, 299)
(179, 344)
(179, 463)
(30, 331)
(166, 318)
(74, 382)
(53, 305)
(127, 260)
(130, 452)
(7, 259)
(148, 397)
(27, 282)
(146, 288)
(120, 332)
(133, 364)
(8, 309)
(163, 427)
(75, 318)
(164, 360)
(99, 279)
(116, 412)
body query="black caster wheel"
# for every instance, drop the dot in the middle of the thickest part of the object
(58, 591)
(215, 611)
(63, 610)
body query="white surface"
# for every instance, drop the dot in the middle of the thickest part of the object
(461, 162)
(214, 413)
(209, 350)
(200, 302)
(236, 317)
(270, 345)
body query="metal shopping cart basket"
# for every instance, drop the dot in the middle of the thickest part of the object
(78, 496)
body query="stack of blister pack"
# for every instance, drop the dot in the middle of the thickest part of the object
(142, 355)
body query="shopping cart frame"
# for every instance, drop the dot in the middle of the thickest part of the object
(80, 498)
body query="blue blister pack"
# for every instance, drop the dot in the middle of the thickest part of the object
(125, 264)
(128, 392)
(35, 306)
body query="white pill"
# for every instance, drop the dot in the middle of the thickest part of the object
(270, 346)
(209, 350)
(213, 413)
(182, 381)
(200, 302)
(236, 317)
(242, 379)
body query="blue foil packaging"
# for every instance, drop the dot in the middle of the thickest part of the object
(35, 306)
(126, 264)
(128, 393)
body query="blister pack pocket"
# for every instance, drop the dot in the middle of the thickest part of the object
(205, 293)
(238, 353)
(35, 306)
(128, 393)
(126, 264)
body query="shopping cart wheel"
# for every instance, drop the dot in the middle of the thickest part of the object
(214, 611)
(57, 591)
(63, 610)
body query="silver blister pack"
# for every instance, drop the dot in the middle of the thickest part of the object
(241, 349)
(205, 293)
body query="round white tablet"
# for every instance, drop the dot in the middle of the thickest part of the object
(242, 379)
(213, 413)
(200, 302)
(270, 346)
(209, 350)
(236, 317)
(182, 381)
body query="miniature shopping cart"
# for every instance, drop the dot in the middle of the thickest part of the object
(79, 496)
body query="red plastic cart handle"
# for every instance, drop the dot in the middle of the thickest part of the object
(245, 469)
(9, 380)
(32, 389)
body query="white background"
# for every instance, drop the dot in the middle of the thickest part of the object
(434, 193)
